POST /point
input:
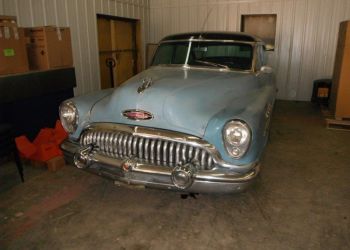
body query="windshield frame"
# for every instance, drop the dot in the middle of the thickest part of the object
(186, 65)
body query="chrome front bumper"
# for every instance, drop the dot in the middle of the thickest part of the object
(130, 171)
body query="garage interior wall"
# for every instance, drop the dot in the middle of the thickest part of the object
(1, 7)
(80, 16)
(306, 34)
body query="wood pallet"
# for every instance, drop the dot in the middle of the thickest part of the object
(338, 124)
(52, 165)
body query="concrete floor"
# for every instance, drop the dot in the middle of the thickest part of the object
(300, 201)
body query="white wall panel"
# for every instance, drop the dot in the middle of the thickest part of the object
(10, 8)
(39, 15)
(306, 34)
(1, 7)
(80, 16)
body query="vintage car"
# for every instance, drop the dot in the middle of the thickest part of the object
(196, 121)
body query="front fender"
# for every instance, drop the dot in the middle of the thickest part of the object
(251, 109)
(84, 105)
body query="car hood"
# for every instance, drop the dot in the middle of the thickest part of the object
(180, 99)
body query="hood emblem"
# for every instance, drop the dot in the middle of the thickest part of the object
(146, 83)
(137, 115)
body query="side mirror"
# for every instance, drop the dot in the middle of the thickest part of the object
(266, 69)
(269, 47)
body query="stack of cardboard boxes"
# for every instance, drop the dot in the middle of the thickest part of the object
(39, 48)
(49, 48)
(13, 54)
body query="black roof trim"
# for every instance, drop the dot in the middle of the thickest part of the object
(237, 36)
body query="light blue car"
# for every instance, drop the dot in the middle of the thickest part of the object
(196, 121)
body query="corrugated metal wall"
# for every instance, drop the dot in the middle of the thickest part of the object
(1, 7)
(80, 16)
(305, 41)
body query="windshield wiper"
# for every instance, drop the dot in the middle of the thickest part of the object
(213, 64)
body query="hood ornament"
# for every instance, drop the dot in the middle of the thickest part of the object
(146, 83)
(137, 115)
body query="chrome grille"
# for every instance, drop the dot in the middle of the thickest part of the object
(161, 152)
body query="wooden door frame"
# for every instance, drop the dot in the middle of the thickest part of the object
(139, 64)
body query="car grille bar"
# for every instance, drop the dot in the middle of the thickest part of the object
(120, 144)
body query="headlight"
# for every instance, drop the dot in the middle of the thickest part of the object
(69, 116)
(237, 137)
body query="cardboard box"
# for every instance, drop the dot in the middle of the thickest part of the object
(9, 21)
(49, 48)
(13, 54)
(55, 163)
(340, 93)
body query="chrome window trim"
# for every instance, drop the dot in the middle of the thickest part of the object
(188, 53)
(208, 40)
(172, 136)
(187, 66)
(184, 66)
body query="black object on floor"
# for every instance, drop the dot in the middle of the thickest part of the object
(185, 196)
(321, 91)
(8, 146)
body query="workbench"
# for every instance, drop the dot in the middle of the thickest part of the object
(30, 101)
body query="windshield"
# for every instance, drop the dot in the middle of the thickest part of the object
(208, 54)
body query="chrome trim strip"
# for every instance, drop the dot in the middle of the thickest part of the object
(159, 144)
(120, 138)
(152, 150)
(134, 146)
(190, 150)
(171, 148)
(246, 71)
(208, 40)
(177, 158)
(146, 148)
(188, 53)
(184, 148)
(203, 159)
(124, 145)
(141, 147)
(165, 148)
(115, 143)
(129, 145)
(196, 154)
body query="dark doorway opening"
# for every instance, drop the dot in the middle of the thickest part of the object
(120, 49)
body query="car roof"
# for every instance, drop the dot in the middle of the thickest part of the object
(237, 36)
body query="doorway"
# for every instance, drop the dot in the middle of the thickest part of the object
(120, 48)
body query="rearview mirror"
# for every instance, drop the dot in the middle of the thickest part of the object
(200, 49)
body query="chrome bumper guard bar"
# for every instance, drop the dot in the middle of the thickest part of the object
(181, 178)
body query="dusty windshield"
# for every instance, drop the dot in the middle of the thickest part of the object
(206, 54)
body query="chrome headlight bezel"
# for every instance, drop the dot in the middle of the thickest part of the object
(69, 116)
(237, 146)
